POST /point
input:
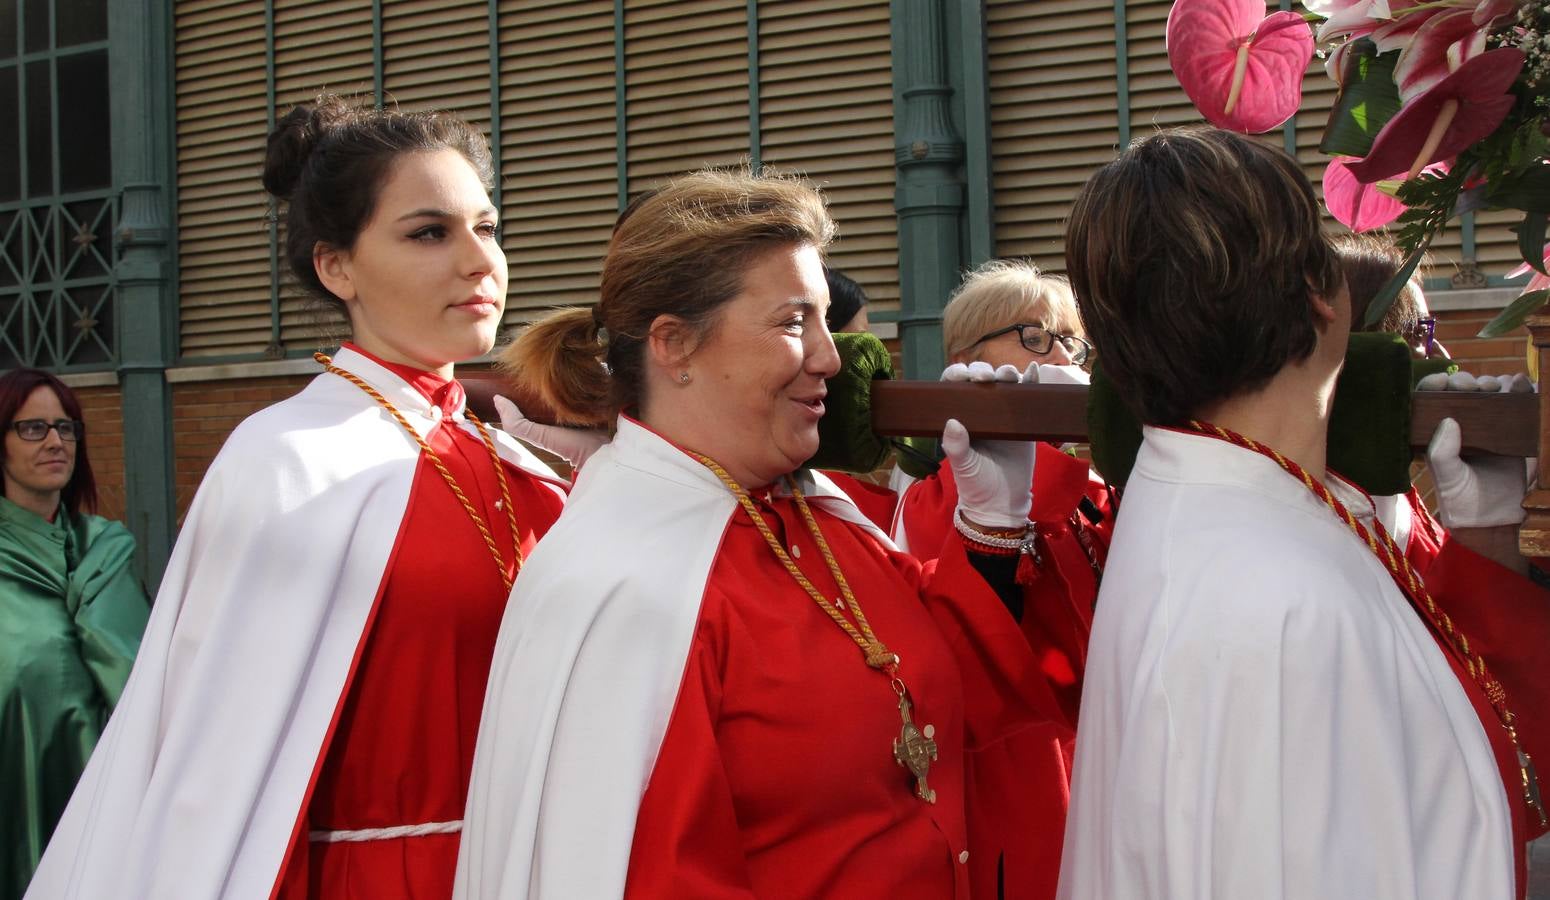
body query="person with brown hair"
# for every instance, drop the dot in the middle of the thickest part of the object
(71, 614)
(300, 720)
(1275, 705)
(744, 689)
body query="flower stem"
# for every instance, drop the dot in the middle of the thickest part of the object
(1238, 70)
(1450, 108)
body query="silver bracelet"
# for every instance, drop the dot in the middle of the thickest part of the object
(1023, 543)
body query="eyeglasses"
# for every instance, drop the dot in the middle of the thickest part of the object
(1038, 339)
(1423, 334)
(37, 429)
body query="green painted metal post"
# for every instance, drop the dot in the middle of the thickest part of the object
(968, 64)
(929, 193)
(139, 66)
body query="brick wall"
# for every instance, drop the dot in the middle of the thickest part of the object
(1456, 329)
(203, 416)
(103, 414)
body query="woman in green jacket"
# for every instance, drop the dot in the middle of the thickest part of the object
(71, 615)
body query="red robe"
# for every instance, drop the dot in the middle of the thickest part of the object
(1023, 783)
(402, 743)
(755, 793)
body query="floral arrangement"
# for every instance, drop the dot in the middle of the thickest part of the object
(1442, 110)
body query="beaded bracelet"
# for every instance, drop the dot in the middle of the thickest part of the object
(1008, 542)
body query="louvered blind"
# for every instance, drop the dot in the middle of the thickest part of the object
(1053, 114)
(319, 47)
(222, 230)
(686, 87)
(826, 110)
(558, 152)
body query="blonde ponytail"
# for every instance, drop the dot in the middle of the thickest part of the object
(559, 359)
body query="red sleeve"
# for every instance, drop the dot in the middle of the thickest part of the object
(1506, 618)
(1004, 686)
(687, 841)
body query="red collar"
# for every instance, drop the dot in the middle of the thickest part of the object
(445, 393)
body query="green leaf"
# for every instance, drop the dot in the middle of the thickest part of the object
(1384, 299)
(1528, 190)
(1513, 316)
(1531, 241)
(1366, 103)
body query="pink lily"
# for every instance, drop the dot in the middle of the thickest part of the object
(1345, 16)
(1439, 46)
(1459, 110)
(1536, 281)
(1493, 13)
(1243, 70)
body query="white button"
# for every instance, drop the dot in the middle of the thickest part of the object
(796, 552)
(435, 412)
(963, 856)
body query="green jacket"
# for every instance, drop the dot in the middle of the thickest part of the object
(71, 616)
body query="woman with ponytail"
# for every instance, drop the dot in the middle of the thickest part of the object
(300, 720)
(716, 676)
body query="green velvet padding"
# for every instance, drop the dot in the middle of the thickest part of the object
(846, 441)
(1369, 427)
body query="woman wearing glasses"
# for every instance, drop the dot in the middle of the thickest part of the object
(71, 615)
(1009, 316)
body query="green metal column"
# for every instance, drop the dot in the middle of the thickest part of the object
(139, 65)
(929, 191)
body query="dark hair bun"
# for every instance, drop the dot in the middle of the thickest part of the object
(294, 138)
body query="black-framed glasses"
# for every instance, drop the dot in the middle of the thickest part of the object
(1423, 334)
(1040, 340)
(37, 429)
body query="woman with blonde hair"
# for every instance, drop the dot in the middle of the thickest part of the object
(744, 689)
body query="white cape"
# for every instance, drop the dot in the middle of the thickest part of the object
(587, 668)
(1264, 714)
(197, 783)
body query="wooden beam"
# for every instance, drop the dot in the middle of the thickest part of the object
(1534, 533)
(1505, 424)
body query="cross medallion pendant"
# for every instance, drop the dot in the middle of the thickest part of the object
(915, 750)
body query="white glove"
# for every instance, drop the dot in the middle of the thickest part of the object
(1478, 493)
(993, 477)
(980, 372)
(1487, 384)
(573, 445)
(1044, 373)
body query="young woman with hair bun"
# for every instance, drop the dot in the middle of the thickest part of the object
(300, 721)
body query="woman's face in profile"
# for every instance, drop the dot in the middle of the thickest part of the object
(425, 283)
(760, 375)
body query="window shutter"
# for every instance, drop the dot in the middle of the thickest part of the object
(826, 110)
(223, 249)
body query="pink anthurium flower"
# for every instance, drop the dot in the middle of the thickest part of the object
(1458, 111)
(1438, 48)
(1357, 206)
(1242, 69)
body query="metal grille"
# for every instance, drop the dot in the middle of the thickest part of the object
(58, 208)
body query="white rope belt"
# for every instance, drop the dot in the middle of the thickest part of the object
(386, 834)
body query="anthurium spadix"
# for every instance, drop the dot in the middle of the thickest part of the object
(1454, 113)
(1242, 69)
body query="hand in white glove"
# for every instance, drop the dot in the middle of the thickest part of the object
(1045, 373)
(1481, 492)
(993, 477)
(573, 445)
(980, 372)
